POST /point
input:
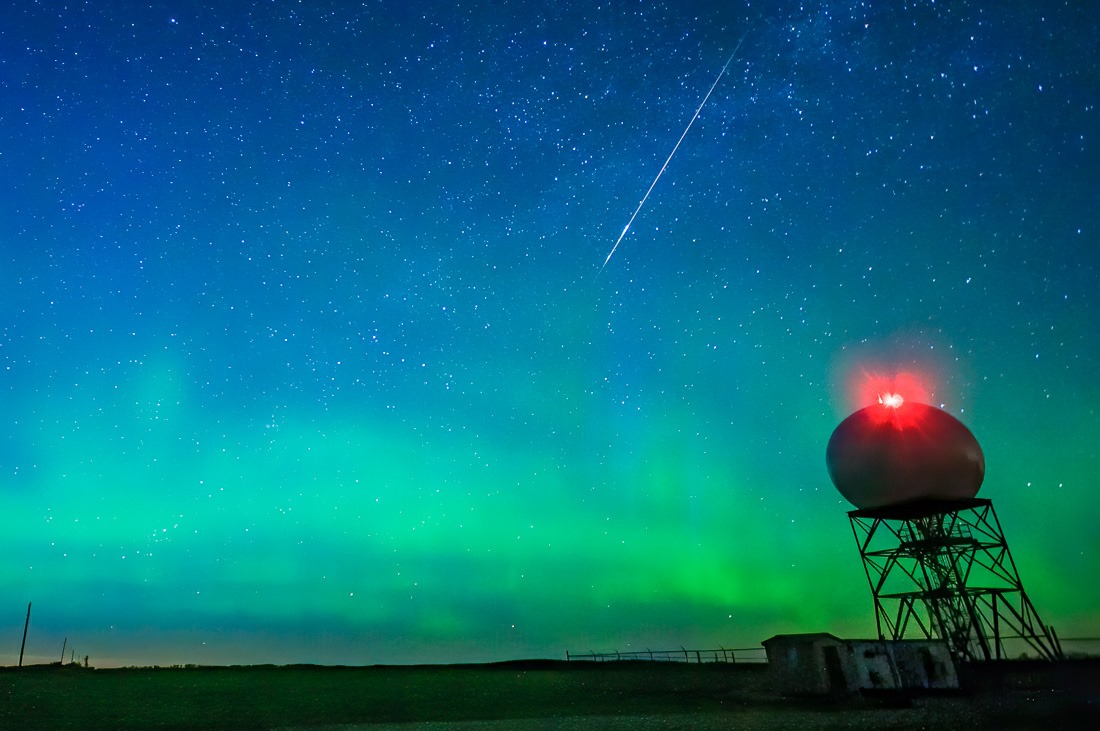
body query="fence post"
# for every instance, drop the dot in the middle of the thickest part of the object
(25, 627)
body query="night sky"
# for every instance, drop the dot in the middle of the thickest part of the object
(306, 354)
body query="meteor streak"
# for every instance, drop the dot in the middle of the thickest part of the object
(674, 149)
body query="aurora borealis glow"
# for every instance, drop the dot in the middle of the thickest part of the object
(304, 356)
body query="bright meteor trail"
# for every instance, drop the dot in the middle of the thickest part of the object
(674, 149)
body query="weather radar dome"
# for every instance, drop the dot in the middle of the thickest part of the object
(897, 451)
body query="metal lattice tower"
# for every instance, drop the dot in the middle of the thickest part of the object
(941, 569)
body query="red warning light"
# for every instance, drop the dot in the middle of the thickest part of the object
(891, 400)
(890, 390)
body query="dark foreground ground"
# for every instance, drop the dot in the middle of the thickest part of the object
(521, 696)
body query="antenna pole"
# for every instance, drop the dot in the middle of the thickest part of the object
(25, 626)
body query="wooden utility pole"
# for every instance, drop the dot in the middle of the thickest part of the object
(25, 626)
(63, 646)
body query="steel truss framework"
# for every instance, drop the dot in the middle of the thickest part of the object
(941, 569)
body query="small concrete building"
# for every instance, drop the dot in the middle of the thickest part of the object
(821, 663)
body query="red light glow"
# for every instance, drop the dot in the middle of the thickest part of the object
(890, 390)
(892, 400)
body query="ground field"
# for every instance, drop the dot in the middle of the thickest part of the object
(522, 696)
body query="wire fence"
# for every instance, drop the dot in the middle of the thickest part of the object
(722, 654)
(1073, 647)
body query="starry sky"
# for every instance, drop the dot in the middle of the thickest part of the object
(306, 353)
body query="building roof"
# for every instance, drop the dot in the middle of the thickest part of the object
(801, 638)
(809, 637)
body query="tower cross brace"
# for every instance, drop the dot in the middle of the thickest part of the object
(941, 569)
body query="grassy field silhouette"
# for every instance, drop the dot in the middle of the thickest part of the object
(516, 695)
